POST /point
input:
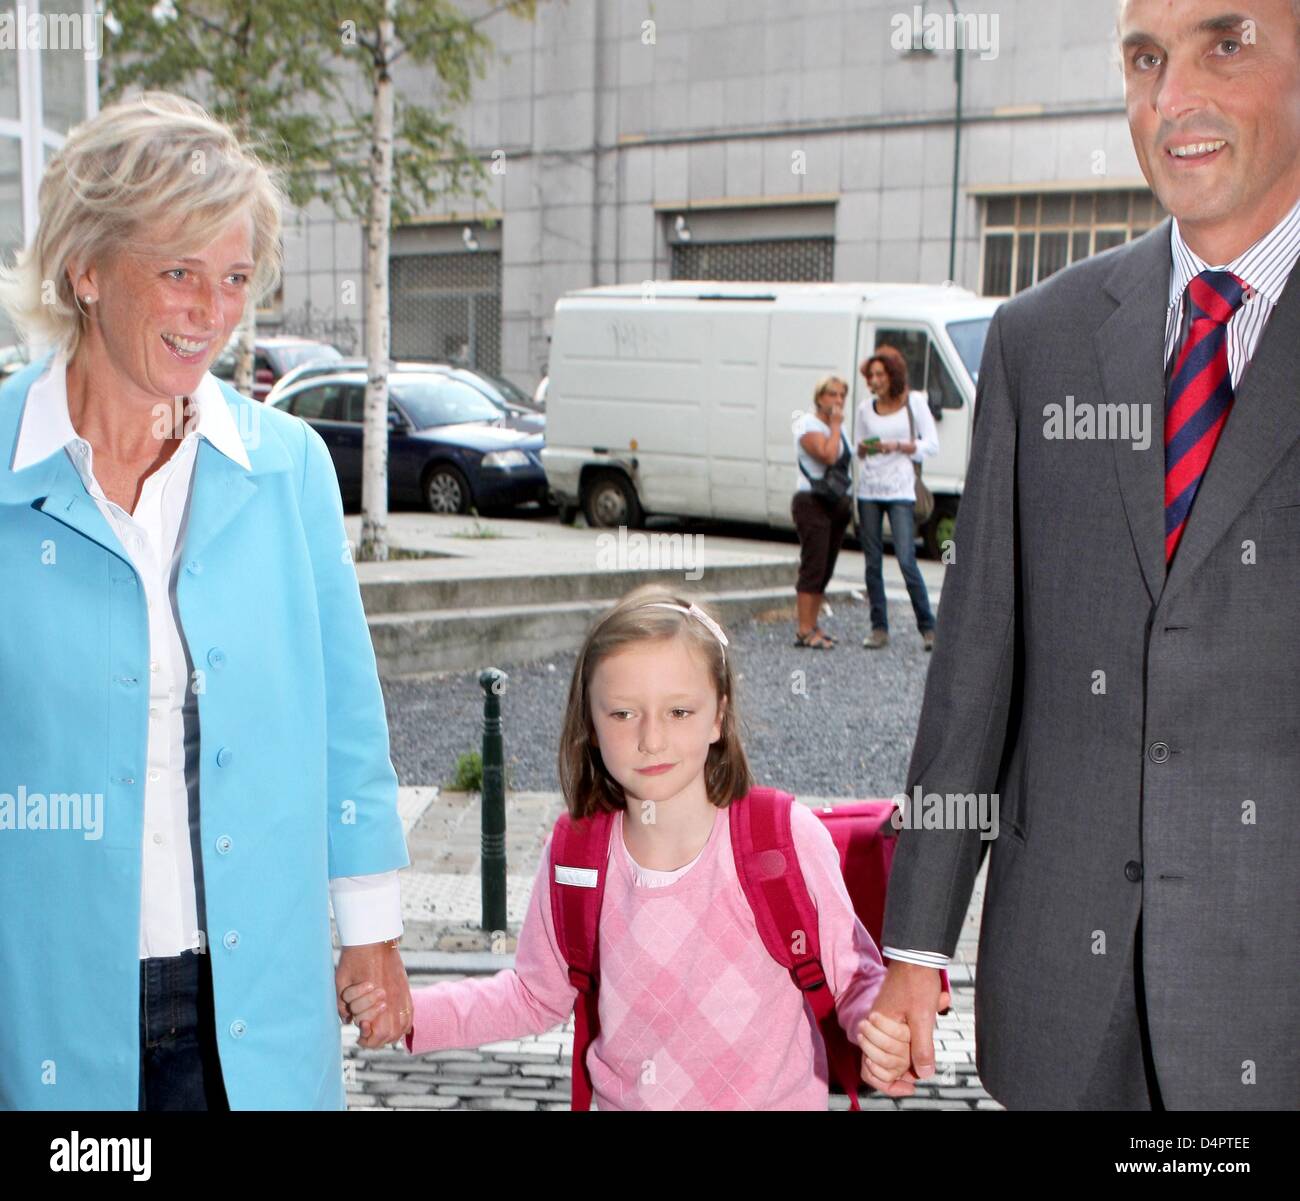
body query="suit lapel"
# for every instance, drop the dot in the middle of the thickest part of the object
(71, 504)
(221, 488)
(1261, 428)
(1130, 350)
(51, 486)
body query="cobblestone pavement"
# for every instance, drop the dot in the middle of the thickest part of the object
(441, 909)
(534, 1073)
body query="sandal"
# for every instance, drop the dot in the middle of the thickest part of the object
(824, 634)
(814, 641)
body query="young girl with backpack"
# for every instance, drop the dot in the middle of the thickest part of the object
(710, 969)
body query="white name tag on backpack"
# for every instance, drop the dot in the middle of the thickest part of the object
(579, 877)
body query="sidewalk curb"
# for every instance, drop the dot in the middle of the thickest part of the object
(465, 963)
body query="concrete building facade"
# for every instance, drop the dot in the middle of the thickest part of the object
(632, 140)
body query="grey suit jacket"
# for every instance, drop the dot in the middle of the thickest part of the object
(1175, 794)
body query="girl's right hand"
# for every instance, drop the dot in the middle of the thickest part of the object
(365, 1003)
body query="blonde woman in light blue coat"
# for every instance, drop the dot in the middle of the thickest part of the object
(193, 747)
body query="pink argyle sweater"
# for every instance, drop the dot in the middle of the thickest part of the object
(694, 1013)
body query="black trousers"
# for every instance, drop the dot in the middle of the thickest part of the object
(1125, 1075)
(179, 1064)
(821, 527)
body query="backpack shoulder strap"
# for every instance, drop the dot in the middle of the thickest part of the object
(579, 858)
(767, 863)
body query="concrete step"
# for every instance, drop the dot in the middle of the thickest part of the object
(439, 640)
(424, 586)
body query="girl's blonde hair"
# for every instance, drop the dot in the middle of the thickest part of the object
(133, 169)
(586, 783)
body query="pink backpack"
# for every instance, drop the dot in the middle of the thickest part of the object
(768, 867)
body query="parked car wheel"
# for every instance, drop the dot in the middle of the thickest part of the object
(446, 490)
(609, 501)
(939, 529)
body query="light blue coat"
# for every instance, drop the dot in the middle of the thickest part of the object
(296, 784)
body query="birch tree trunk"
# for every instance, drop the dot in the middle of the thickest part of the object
(245, 336)
(246, 331)
(374, 463)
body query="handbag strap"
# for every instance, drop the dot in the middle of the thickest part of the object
(911, 426)
(848, 450)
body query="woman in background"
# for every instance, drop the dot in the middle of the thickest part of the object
(819, 444)
(895, 429)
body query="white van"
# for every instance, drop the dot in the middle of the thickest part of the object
(679, 397)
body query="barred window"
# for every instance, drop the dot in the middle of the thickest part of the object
(801, 260)
(1029, 237)
(447, 308)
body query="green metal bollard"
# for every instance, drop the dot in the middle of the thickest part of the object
(493, 682)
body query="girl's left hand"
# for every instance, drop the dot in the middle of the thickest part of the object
(886, 1049)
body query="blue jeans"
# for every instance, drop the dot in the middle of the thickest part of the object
(901, 513)
(179, 1067)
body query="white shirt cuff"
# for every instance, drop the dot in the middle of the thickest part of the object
(934, 959)
(367, 908)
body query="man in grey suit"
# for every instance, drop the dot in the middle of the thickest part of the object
(1118, 656)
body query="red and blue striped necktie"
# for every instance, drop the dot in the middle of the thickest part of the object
(1199, 397)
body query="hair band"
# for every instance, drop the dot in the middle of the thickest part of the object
(699, 614)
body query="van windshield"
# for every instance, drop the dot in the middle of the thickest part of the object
(968, 337)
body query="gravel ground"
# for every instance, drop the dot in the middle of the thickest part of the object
(820, 723)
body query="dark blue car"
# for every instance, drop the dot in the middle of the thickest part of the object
(449, 447)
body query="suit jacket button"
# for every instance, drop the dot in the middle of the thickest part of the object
(1158, 752)
(1133, 871)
